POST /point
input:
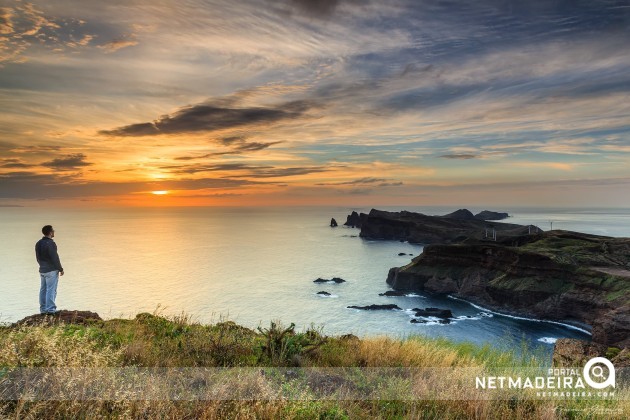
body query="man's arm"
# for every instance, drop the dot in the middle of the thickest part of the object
(54, 256)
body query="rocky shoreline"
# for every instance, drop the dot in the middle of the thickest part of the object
(568, 277)
(556, 284)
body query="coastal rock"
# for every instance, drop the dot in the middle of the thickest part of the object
(323, 293)
(435, 312)
(456, 227)
(375, 307)
(614, 327)
(461, 214)
(422, 321)
(491, 215)
(63, 316)
(569, 352)
(333, 222)
(355, 219)
(333, 280)
(562, 276)
(393, 293)
(400, 254)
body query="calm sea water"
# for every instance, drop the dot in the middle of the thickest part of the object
(250, 266)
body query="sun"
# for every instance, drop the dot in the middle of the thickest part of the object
(159, 192)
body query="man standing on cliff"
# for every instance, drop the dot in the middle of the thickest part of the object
(49, 270)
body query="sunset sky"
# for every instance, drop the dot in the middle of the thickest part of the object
(286, 102)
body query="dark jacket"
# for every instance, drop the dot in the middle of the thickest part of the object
(46, 254)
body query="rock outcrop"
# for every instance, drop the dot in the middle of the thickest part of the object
(491, 215)
(333, 280)
(64, 316)
(570, 353)
(355, 219)
(435, 312)
(420, 228)
(333, 222)
(393, 293)
(461, 214)
(563, 276)
(375, 307)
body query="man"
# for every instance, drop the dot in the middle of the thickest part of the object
(49, 270)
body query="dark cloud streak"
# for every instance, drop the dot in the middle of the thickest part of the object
(210, 117)
(360, 181)
(463, 156)
(68, 162)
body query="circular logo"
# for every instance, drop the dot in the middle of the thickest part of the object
(594, 369)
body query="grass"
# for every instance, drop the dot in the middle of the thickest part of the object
(151, 341)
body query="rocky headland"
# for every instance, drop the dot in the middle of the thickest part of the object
(421, 228)
(569, 277)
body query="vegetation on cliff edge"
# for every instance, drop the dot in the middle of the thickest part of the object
(156, 341)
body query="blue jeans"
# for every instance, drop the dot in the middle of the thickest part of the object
(48, 291)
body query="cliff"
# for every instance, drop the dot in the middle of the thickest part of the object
(420, 228)
(562, 276)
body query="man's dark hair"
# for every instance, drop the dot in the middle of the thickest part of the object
(46, 230)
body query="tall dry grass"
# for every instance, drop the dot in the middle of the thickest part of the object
(151, 341)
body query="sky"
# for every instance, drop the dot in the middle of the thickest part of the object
(323, 102)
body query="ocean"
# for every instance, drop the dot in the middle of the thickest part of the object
(252, 266)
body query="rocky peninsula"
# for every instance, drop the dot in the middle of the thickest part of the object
(569, 277)
(562, 276)
(423, 229)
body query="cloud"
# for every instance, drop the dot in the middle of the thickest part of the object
(250, 171)
(24, 28)
(36, 149)
(371, 182)
(12, 163)
(463, 156)
(318, 8)
(32, 185)
(207, 155)
(210, 117)
(6, 23)
(255, 146)
(68, 162)
(284, 172)
(37, 19)
(239, 146)
(192, 169)
(82, 42)
(228, 141)
(119, 44)
(562, 166)
(361, 181)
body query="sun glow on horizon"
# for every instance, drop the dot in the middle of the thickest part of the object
(159, 192)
